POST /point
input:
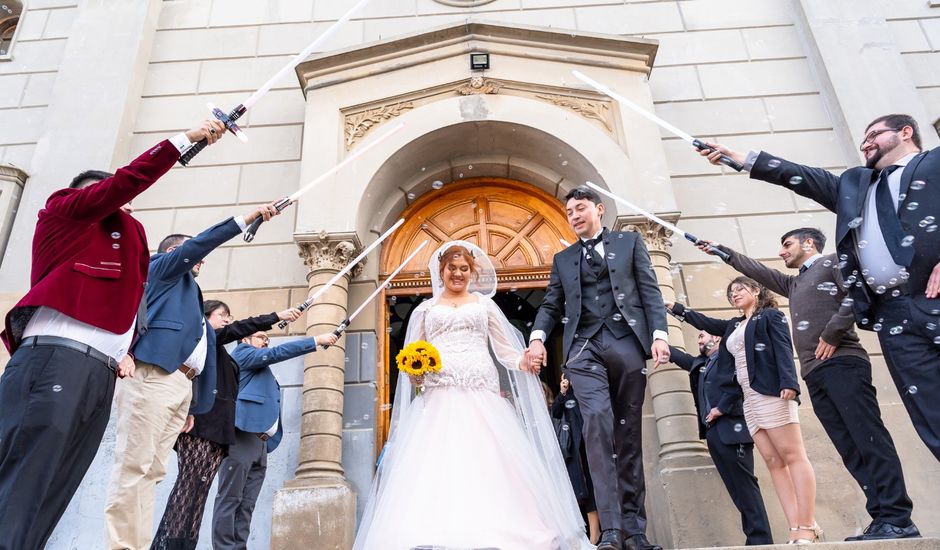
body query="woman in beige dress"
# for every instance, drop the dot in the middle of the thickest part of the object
(759, 348)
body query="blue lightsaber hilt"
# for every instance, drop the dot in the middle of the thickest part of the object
(712, 248)
(725, 159)
(227, 119)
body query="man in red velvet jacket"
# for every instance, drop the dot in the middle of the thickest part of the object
(69, 337)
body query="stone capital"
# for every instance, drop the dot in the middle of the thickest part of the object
(330, 251)
(17, 175)
(656, 237)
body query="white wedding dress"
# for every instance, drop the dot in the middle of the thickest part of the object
(466, 467)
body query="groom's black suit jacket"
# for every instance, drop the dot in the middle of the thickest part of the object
(845, 195)
(631, 274)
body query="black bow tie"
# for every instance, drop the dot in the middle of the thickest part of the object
(590, 244)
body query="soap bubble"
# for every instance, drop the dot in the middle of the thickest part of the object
(796, 180)
(856, 222)
(437, 184)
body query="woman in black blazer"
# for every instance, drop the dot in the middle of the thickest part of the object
(205, 438)
(757, 348)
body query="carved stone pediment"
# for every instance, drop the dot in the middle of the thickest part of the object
(479, 85)
(359, 124)
(591, 109)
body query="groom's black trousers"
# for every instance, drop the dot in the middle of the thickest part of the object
(606, 375)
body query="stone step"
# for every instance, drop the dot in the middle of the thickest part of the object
(903, 544)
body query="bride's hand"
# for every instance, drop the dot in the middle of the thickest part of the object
(417, 381)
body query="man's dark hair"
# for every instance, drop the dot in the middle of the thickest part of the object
(899, 121)
(211, 305)
(803, 233)
(581, 193)
(89, 175)
(172, 240)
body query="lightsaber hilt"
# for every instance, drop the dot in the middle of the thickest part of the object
(301, 308)
(339, 330)
(253, 228)
(725, 159)
(711, 248)
(227, 119)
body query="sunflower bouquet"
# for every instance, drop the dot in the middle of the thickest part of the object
(418, 358)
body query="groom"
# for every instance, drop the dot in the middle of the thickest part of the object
(604, 292)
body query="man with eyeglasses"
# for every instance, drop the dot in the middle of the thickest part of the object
(258, 431)
(888, 247)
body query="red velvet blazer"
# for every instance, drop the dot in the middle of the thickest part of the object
(90, 258)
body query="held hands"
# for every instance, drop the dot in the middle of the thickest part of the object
(534, 357)
(188, 426)
(290, 315)
(210, 130)
(326, 339)
(660, 351)
(713, 415)
(825, 350)
(125, 368)
(714, 157)
(265, 211)
(933, 283)
(787, 394)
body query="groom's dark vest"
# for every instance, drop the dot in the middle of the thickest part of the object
(598, 304)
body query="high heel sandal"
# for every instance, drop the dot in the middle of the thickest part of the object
(815, 528)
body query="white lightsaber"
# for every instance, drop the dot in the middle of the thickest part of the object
(287, 201)
(309, 301)
(348, 320)
(697, 143)
(229, 119)
(650, 216)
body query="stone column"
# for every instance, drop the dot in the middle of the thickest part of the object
(687, 503)
(319, 504)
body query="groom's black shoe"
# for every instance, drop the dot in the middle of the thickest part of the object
(611, 539)
(884, 531)
(640, 542)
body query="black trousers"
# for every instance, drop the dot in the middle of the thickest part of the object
(735, 465)
(607, 376)
(913, 358)
(54, 408)
(240, 479)
(199, 460)
(846, 404)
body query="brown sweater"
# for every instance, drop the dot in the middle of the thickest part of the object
(816, 310)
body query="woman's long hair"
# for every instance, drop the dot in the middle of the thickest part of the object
(765, 298)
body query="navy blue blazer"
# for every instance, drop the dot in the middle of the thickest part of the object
(174, 311)
(770, 366)
(259, 395)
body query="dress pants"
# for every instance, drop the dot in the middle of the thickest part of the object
(199, 460)
(240, 479)
(151, 410)
(844, 400)
(735, 465)
(607, 377)
(54, 408)
(913, 358)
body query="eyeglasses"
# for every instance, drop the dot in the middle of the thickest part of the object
(870, 138)
(264, 339)
(224, 316)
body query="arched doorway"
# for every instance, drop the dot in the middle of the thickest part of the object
(521, 228)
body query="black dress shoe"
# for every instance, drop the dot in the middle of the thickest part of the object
(886, 531)
(611, 539)
(640, 542)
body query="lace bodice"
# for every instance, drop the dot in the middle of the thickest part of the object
(464, 336)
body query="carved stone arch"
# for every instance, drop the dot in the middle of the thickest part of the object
(520, 227)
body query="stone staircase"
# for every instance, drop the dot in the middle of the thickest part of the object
(905, 544)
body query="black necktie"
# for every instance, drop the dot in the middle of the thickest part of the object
(889, 221)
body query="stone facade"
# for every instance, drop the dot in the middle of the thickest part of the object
(90, 84)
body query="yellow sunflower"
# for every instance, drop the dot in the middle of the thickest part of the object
(418, 358)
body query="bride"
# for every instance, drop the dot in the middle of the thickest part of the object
(465, 467)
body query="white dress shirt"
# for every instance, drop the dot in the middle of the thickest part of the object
(599, 247)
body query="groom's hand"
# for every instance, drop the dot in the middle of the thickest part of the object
(535, 355)
(660, 352)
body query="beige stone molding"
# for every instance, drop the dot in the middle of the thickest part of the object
(595, 110)
(8, 172)
(361, 123)
(479, 85)
(330, 251)
(656, 237)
